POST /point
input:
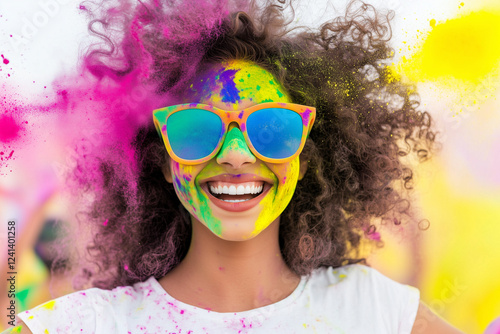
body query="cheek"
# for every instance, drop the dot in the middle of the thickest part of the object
(273, 206)
(183, 181)
(287, 174)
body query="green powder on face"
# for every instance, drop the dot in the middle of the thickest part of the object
(235, 141)
(207, 216)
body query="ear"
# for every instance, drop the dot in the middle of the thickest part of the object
(303, 166)
(167, 172)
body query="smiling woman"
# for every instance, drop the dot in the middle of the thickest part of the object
(213, 191)
(254, 186)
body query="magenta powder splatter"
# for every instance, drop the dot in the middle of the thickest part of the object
(9, 128)
(5, 60)
(95, 113)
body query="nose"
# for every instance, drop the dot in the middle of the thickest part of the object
(235, 151)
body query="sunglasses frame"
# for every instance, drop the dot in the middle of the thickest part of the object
(160, 117)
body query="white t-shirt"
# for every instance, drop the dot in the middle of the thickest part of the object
(350, 299)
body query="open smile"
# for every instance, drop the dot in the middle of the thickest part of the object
(235, 197)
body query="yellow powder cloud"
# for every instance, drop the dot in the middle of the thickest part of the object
(466, 48)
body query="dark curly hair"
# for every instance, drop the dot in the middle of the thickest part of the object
(367, 121)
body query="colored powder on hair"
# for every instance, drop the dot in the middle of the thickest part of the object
(464, 48)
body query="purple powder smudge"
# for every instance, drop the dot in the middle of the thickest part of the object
(493, 327)
(229, 91)
(306, 116)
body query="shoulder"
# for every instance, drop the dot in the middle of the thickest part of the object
(359, 277)
(86, 311)
(368, 293)
(429, 322)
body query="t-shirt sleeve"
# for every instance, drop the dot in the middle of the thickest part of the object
(73, 313)
(399, 301)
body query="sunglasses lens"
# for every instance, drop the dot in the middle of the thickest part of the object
(275, 133)
(193, 133)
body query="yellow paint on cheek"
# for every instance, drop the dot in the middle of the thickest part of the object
(466, 48)
(273, 206)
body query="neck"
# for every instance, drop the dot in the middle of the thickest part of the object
(231, 276)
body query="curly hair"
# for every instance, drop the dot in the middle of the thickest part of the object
(367, 121)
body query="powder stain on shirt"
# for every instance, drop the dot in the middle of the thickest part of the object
(48, 305)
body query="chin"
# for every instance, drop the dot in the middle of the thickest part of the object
(237, 235)
(238, 231)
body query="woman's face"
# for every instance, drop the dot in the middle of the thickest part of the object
(235, 85)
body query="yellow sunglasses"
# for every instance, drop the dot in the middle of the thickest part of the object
(275, 132)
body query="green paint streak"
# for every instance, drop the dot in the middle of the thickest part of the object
(193, 198)
(16, 329)
(214, 224)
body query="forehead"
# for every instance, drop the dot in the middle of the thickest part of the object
(236, 85)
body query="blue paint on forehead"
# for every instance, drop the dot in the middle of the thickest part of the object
(215, 79)
(229, 92)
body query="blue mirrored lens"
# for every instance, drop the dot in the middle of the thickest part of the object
(193, 133)
(275, 132)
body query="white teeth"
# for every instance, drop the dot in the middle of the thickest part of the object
(240, 190)
(233, 190)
